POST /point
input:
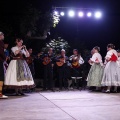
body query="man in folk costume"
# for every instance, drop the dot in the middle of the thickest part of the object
(62, 70)
(2, 59)
(48, 63)
(111, 76)
(76, 62)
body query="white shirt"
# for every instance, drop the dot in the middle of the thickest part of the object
(81, 61)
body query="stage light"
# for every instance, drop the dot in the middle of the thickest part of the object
(56, 12)
(98, 14)
(71, 13)
(62, 13)
(80, 14)
(89, 14)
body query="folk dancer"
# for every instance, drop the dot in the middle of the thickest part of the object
(96, 72)
(111, 76)
(18, 74)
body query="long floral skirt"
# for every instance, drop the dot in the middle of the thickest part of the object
(95, 75)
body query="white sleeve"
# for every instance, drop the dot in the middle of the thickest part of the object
(109, 54)
(81, 61)
(13, 49)
(70, 58)
(24, 52)
(93, 58)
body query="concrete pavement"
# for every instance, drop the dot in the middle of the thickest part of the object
(65, 105)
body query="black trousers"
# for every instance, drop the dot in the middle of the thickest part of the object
(77, 72)
(62, 76)
(1, 71)
(48, 77)
(31, 66)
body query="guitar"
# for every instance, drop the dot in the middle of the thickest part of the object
(61, 63)
(75, 62)
(46, 60)
(29, 60)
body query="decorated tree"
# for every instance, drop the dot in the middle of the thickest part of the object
(57, 45)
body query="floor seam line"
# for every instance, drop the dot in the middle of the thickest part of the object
(58, 107)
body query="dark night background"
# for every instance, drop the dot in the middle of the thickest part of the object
(85, 31)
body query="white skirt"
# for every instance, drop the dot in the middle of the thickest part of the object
(111, 76)
(12, 75)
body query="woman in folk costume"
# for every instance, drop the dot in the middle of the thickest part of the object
(111, 76)
(18, 75)
(96, 72)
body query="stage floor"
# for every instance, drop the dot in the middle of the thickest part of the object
(65, 105)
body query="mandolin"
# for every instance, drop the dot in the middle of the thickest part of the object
(46, 60)
(61, 62)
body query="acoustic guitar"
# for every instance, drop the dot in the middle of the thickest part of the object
(29, 60)
(75, 62)
(46, 60)
(61, 62)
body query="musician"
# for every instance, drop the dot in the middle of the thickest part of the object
(2, 59)
(62, 70)
(48, 63)
(7, 56)
(30, 61)
(76, 62)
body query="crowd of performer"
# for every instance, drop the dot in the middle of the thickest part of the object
(17, 69)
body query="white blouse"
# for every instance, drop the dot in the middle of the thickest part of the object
(14, 49)
(110, 53)
(96, 57)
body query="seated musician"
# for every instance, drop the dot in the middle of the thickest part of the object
(62, 70)
(76, 62)
(48, 63)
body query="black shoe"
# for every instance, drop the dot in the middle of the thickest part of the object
(115, 91)
(17, 94)
(53, 90)
(44, 89)
(22, 94)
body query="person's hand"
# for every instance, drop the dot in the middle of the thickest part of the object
(89, 61)
(24, 47)
(52, 65)
(7, 58)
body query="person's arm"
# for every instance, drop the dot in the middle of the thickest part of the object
(81, 61)
(2, 55)
(108, 56)
(25, 51)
